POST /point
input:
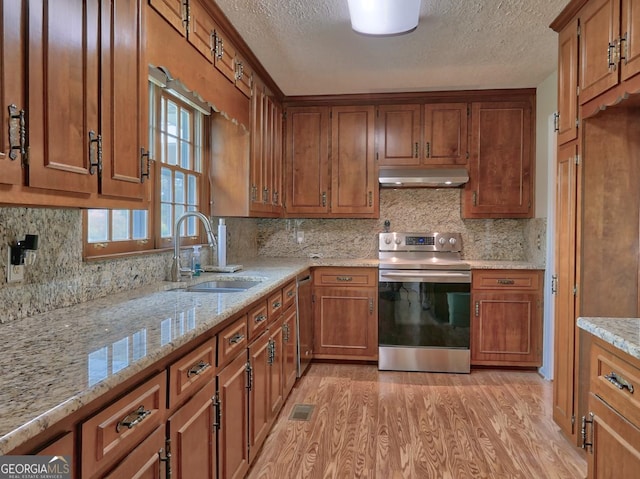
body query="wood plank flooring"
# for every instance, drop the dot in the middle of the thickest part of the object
(387, 425)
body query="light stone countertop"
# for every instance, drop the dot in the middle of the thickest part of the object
(55, 363)
(490, 264)
(623, 333)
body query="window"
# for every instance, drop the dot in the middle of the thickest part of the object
(176, 133)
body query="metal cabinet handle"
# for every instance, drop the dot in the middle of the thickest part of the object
(554, 284)
(477, 309)
(344, 278)
(249, 371)
(415, 151)
(198, 369)
(475, 198)
(506, 281)
(285, 332)
(583, 432)
(324, 198)
(217, 411)
(624, 48)
(611, 54)
(145, 155)
(17, 132)
(239, 70)
(276, 304)
(619, 382)
(133, 418)
(95, 143)
(371, 198)
(236, 338)
(290, 294)
(167, 457)
(370, 306)
(259, 318)
(428, 149)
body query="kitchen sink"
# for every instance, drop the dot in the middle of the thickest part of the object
(223, 286)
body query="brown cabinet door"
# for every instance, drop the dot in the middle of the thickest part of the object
(307, 160)
(63, 94)
(233, 452)
(565, 271)
(276, 169)
(259, 408)
(599, 30)
(224, 55)
(193, 437)
(290, 360)
(398, 135)
(124, 112)
(616, 443)
(345, 323)
(568, 83)
(201, 28)
(173, 11)
(276, 364)
(500, 174)
(267, 150)
(354, 179)
(630, 31)
(257, 198)
(12, 72)
(506, 329)
(445, 134)
(144, 461)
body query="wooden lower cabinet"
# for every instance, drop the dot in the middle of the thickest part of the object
(611, 429)
(193, 436)
(144, 461)
(506, 327)
(346, 314)
(233, 454)
(290, 347)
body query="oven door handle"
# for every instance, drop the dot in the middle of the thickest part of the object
(427, 276)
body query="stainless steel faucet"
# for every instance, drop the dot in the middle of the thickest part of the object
(176, 271)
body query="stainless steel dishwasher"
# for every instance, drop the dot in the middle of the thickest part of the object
(305, 322)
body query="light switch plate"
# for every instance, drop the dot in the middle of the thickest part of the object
(15, 273)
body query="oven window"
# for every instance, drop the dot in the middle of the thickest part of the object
(424, 314)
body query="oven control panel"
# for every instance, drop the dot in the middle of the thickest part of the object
(420, 242)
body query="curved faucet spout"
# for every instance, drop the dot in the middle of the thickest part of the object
(176, 270)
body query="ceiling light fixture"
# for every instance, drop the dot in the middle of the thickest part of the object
(384, 17)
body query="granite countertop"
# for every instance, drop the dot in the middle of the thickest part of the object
(56, 362)
(623, 333)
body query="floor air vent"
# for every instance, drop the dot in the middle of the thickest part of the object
(301, 412)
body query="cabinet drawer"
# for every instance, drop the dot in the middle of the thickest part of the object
(288, 295)
(506, 279)
(607, 367)
(191, 372)
(257, 321)
(114, 431)
(232, 340)
(345, 277)
(275, 306)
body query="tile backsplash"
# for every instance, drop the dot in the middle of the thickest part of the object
(61, 278)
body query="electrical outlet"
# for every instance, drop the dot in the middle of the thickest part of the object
(300, 237)
(15, 273)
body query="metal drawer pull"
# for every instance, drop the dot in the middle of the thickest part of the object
(583, 432)
(260, 318)
(236, 338)
(17, 132)
(506, 281)
(134, 418)
(618, 381)
(290, 294)
(276, 304)
(197, 369)
(344, 278)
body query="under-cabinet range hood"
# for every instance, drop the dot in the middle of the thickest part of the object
(423, 177)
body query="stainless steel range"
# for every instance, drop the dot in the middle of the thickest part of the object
(423, 303)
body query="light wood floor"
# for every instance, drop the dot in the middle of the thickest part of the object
(387, 425)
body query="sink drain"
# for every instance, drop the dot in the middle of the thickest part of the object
(301, 412)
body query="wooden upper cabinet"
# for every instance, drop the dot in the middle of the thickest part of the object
(398, 131)
(63, 95)
(173, 11)
(445, 134)
(307, 160)
(354, 179)
(11, 91)
(224, 54)
(568, 83)
(200, 30)
(124, 102)
(630, 30)
(599, 27)
(500, 170)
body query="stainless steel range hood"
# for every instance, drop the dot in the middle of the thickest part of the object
(423, 177)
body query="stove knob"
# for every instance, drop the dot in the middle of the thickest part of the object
(387, 240)
(442, 241)
(452, 241)
(398, 240)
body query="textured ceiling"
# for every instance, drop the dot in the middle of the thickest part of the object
(308, 47)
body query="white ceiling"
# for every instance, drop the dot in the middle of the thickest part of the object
(308, 47)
